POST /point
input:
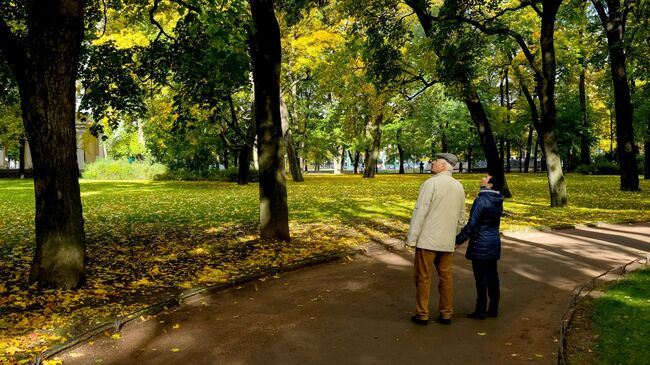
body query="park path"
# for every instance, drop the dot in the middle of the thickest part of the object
(356, 310)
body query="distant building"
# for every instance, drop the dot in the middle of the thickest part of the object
(89, 149)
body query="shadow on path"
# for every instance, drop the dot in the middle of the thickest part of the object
(356, 311)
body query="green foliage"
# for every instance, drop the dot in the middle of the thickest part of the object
(621, 318)
(600, 166)
(228, 175)
(122, 170)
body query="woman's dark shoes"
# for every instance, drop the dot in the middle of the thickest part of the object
(419, 321)
(443, 320)
(475, 315)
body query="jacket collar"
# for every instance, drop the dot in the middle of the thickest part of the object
(448, 173)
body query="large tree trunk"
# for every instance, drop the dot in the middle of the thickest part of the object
(46, 71)
(494, 163)
(357, 156)
(546, 90)
(585, 158)
(243, 170)
(613, 20)
(21, 157)
(646, 148)
(294, 162)
(266, 59)
(373, 153)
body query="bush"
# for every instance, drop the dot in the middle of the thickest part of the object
(229, 175)
(599, 167)
(122, 170)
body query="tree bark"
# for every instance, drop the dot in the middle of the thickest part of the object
(646, 146)
(529, 146)
(294, 162)
(585, 158)
(21, 157)
(373, 153)
(613, 20)
(266, 59)
(45, 67)
(546, 90)
(357, 156)
(400, 151)
(494, 163)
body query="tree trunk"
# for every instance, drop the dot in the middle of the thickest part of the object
(373, 153)
(294, 162)
(646, 147)
(21, 157)
(529, 146)
(266, 58)
(46, 72)
(585, 158)
(243, 170)
(612, 17)
(546, 90)
(357, 156)
(339, 158)
(535, 157)
(400, 151)
(342, 166)
(494, 163)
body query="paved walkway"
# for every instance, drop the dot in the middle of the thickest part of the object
(357, 311)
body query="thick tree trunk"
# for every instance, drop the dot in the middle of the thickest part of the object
(294, 162)
(494, 163)
(46, 73)
(266, 59)
(546, 90)
(612, 15)
(373, 153)
(585, 158)
(357, 156)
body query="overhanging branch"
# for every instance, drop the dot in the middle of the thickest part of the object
(11, 48)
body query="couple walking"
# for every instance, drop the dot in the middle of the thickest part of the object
(437, 227)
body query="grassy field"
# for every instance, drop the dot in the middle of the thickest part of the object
(150, 240)
(621, 319)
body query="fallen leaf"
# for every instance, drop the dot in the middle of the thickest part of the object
(481, 333)
(176, 326)
(115, 336)
(175, 349)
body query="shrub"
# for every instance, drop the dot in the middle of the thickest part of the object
(122, 170)
(599, 167)
(229, 175)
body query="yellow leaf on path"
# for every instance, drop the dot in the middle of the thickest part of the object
(177, 326)
(143, 282)
(115, 336)
(2, 288)
(481, 333)
(175, 349)
(54, 361)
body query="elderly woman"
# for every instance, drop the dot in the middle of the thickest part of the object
(484, 247)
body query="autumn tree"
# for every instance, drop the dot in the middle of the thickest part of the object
(41, 41)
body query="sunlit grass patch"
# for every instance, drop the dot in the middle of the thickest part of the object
(622, 320)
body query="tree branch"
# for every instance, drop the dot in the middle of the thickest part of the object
(602, 13)
(505, 31)
(152, 11)
(522, 5)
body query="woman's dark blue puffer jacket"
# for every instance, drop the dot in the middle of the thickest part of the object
(483, 227)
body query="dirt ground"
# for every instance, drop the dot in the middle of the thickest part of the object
(356, 310)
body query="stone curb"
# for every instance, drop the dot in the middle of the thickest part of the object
(584, 290)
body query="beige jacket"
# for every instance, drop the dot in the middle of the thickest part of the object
(439, 214)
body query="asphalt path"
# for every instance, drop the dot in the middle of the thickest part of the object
(356, 310)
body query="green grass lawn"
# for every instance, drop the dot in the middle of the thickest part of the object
(149, 240)
(621, 319)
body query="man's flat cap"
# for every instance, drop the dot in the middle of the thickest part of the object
(451, 158)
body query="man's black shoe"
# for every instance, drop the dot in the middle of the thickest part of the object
(475, 315)
(443, 320)
(420, 321)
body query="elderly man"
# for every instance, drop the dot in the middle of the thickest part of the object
(438, 216)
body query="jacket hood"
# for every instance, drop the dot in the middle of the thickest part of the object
(493, 196)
